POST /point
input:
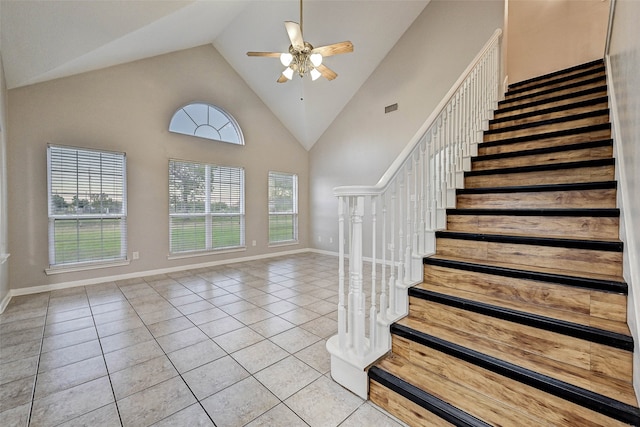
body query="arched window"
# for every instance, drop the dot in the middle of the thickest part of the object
(206, 121)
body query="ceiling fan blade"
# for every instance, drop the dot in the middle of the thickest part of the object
(295, 34)
(326, 72)
(267, 54)
(334, 49)
(282, 79)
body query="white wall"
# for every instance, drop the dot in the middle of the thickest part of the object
(624, 59)
(550, 35)
(363, 141)
(128, 108)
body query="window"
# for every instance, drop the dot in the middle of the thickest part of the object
(87, 206)
(206, 207)
(283, 207)
(206, 121)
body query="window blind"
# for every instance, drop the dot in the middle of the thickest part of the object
(87, 206)
(206, 207)
(283, 207)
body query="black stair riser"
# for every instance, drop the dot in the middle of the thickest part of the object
(587, 333)
(541, 168)
(553, 81)
(545, 150)
(557, 73)
(592, 245)
(425, 400)
(556, 109)
(577, 94)
(545, 135)
(559, 279)
(555, 89)
(588, 399)
(596, 213)
(574, 117)
(585, 186)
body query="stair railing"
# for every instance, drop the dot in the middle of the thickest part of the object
(399, 216)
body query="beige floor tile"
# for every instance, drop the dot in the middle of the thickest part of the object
(196, 355)
(239, 404)
(253, 315)
(236, 307)
(214, 376)
(125, 339)
(258, 356)
(323, 307)
(18, 369)
(11, 353)
(193, 416)
(16, 417)
(195, 307)
(165, 313)
(221, 326)
(280, 307)
(67, 339)
(111, 316)
(55, 317)
(166, 327)
(21, 325)
(207, 315)
(68, 326)
(183, 299)
(278, 416)
(17, 337)
(222, 300)
(65, 405)
(16, 393)
(367, 415)
(299, 315)
(238, 339)
(178, 340)
(141, 376)
(316, 356)
(155, 403)
(295, 339)
(68, 355)
(272, 326)
(287, 377)
(122, 359)
(114, 303)
(107, 416)
(323, 403)
(68, 376)
(322, 327)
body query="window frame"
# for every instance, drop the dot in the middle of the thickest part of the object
(208, 215)
(175, 126)
(294, 212)
(120, 160)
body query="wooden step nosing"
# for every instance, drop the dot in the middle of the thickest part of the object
(545, 135)
(584, 92)
(545, 150)
(544, 167)
(585, 244)
(556, 80)
(558, 73)
(578, 212)
(581, 186)
(431, 403)
(575, 330)
(551, 110)
(555, 89)
(553, 278)
(547, 122)
(578, 395)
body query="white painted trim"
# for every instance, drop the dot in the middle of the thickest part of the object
(5, 301)
(607, 45)
(205, 253)
(627, 229)
(88, 282)
(4, 258)
(93, 266)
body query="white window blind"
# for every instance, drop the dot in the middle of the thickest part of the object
(206, 207)
(283, 207)
(87, 206)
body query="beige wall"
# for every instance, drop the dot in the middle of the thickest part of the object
(363, 141)
(128, 108)
(549, 35)
(625, 86)
(4, 270)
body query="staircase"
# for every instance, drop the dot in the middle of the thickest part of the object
(521, 318)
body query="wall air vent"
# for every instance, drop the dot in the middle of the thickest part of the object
(390, 108)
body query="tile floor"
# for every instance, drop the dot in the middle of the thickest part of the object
(233, 345)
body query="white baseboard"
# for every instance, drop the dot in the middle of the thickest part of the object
(104, 279)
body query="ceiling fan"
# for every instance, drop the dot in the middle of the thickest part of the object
(302, 57)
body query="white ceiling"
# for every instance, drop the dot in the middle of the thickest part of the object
(44, 40)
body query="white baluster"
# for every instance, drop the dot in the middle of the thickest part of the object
(342, 320)
(373, 310)
(383, 274)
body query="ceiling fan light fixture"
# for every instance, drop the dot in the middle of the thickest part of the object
(315, 74)
(316, 59)
(288, 73)
(286, 59)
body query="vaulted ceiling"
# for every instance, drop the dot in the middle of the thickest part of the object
(44, 40)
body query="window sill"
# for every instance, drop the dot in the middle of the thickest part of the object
(206, 253)
(287, 243)
(75, 268)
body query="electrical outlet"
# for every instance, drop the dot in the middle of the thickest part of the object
(136, 255)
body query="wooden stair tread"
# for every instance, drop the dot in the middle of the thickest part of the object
(568, 316)
(462, 397)
(547, 270)
(612, 388)
(560, 83)
(598, 63)
(567, 88)
(576, 96)
(543, 150)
